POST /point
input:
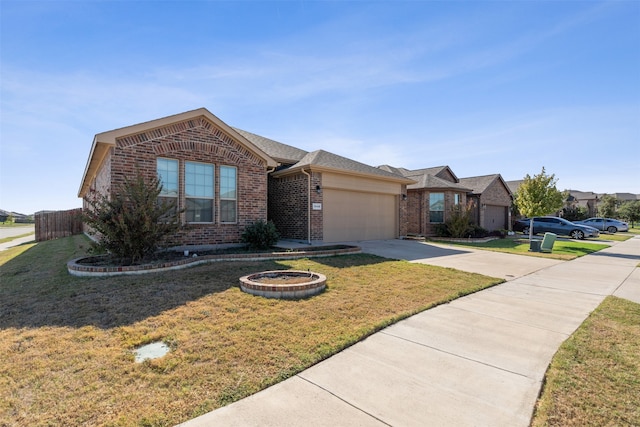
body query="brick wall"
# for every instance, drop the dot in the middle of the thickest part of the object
(193, 140)
(417, 210)
(288, 205)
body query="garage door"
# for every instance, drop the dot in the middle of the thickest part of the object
(495, 217)
(351, 215)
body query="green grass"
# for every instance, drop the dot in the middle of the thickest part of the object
(594, 378)
(564, 250)
(66, 342)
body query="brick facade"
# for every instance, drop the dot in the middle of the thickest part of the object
(417, 207)
(195, 140)
(288, 206)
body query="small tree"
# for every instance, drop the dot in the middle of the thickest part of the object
(132, 223)
(538, 196)
(607, 206)
(460, 222)
(630, 211)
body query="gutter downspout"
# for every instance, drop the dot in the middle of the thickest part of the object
(308, 206)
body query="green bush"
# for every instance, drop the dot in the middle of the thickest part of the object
(260, 235)
(131, 224)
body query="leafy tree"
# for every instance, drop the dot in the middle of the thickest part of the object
(630, 211)
(538, 196)
(607, 206)
(131, 224)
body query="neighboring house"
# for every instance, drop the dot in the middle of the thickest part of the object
(492, 201)
(583, 199)
(430, 198)
(514, 185)
(225, 179)
(625, 197)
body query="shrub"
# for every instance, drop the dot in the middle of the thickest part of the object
(460, 220)
(260, 235)
(131, 224)
(441, 230)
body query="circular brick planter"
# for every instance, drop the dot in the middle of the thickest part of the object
(295, 284)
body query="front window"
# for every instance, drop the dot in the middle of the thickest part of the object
(456, 199)
(228, 194)
(167, 170)
(436, 207)
(198, 186)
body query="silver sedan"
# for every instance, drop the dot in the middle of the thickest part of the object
(609, 225)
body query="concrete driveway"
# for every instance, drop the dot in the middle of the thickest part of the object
(494, 264)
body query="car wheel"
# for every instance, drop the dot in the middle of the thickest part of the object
(612, 229)
(577, 234)
(525, 230)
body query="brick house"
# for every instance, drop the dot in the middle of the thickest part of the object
(492, 201)
(321, 196)
(430, 197)
(225, 179)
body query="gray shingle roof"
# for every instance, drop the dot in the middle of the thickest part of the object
(433, 182)
(329, 160)
(280, 152)
(514, 185)
(479, 184)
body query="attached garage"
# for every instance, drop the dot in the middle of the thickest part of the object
(351, 215)
(335, 199)
(495, 217)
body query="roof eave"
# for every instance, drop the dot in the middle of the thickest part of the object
(99, 150)
(317, 168)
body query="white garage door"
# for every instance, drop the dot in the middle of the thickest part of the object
(495, 217)
(351, 215)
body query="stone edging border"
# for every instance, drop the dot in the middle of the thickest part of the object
(80, 270)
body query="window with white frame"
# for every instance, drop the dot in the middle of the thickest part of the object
(456, 199)
(436, 207)
(167, 170)
(228, 194)
(198, 191)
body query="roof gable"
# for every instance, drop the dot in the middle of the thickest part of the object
(480, 184)
(103, 142)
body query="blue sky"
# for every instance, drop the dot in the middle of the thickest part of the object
(484, 87)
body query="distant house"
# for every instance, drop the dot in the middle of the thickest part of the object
(583, 199)
(492, 200)
(430, 198)
(226, 178)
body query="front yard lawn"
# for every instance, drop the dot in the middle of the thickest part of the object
(562, 249)
(594, 378)
(66, 342)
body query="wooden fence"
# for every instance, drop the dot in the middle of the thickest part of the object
(52, 225)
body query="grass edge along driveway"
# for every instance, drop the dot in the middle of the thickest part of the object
(594, 378)
(66, 342)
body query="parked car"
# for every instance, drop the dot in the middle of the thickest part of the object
(560, 226)
(609, 225)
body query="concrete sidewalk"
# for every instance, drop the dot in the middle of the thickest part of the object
(479, 360)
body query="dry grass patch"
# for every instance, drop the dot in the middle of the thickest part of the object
(66, 342)
(594, 379)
